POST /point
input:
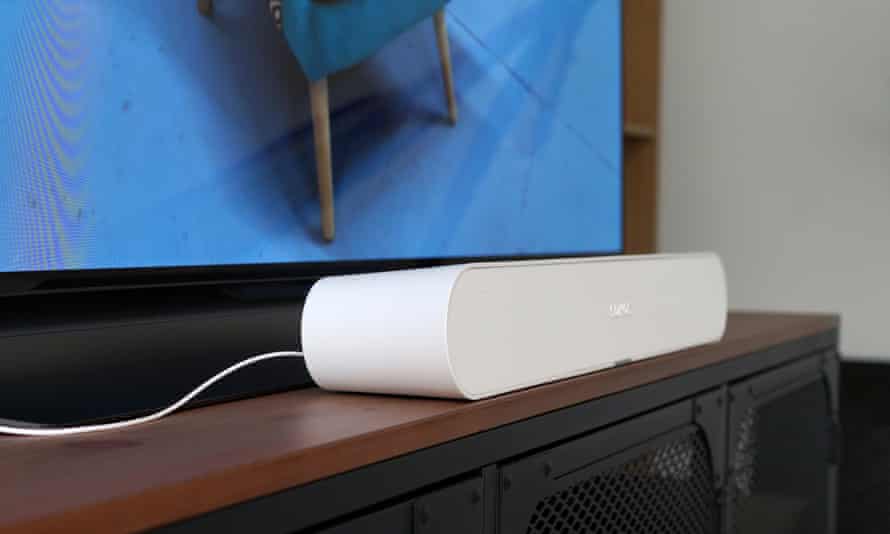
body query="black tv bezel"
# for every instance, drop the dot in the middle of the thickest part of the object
(14, 284)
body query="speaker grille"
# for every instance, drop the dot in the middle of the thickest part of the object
(744, 467)
(667, 490)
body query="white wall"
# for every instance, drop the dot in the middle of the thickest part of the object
(776, 153)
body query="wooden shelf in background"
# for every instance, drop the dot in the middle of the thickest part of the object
(638, 132)
(642, 78)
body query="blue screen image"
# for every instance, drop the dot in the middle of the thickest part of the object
(143, 133)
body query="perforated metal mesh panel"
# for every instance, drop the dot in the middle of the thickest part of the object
(745, 455)
(779, 465)
(667, 490)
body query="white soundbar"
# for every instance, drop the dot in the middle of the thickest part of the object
(477, 330)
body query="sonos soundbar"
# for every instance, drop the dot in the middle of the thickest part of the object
(477, 330)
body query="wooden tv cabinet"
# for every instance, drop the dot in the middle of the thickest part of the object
(736, 436)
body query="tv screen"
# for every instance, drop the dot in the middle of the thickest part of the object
(175, 133)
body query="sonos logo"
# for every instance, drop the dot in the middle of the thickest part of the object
(622, 309)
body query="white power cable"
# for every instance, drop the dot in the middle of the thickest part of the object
(68, 431)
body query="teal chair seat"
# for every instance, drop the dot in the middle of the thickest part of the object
(331, 35)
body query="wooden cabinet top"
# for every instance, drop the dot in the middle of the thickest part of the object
(204, 459)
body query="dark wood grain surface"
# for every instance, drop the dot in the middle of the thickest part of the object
(205, 459)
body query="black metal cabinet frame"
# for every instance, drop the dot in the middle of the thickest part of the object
(455, 508)
(477, 480)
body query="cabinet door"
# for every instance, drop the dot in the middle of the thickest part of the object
(780, 455)
(651, 474)
(453, 509)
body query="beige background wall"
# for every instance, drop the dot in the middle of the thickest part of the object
(776, 153)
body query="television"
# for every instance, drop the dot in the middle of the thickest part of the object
(160, 154)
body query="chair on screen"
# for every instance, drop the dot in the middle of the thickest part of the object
(328, 36)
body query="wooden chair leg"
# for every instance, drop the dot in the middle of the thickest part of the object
(445, 57)
(318, 95)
